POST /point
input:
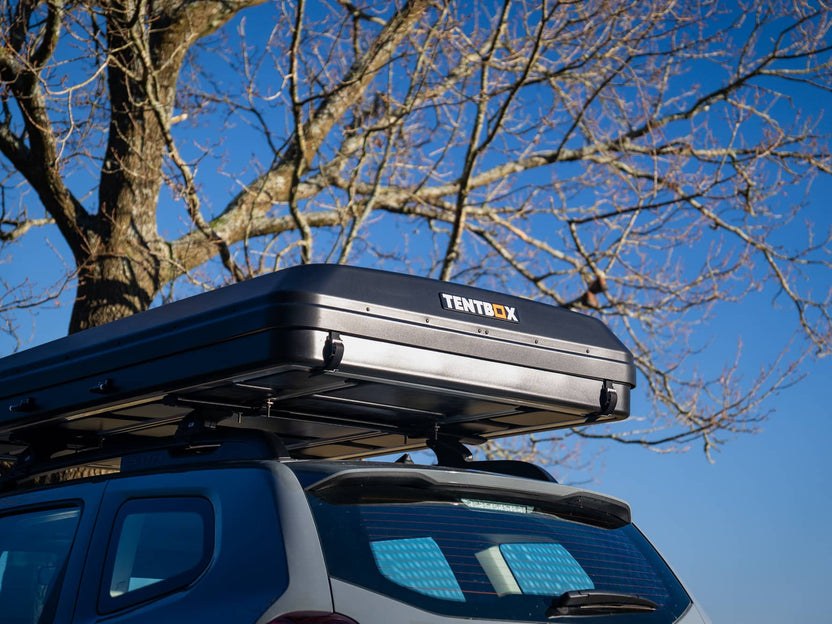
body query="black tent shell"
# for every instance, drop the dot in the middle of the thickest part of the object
(338, 361)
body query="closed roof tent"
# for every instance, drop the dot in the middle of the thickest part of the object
(339, 361)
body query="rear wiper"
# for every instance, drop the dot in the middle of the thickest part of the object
(598, 602)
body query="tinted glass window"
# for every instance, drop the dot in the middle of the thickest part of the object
(488, 559)
(158, 545)
(34, 548)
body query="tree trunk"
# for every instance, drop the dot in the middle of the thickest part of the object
(122, 261)
(115, 283)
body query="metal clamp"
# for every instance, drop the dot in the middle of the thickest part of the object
(105, 386)
(607, 401)
(26, 405)
(333, 351)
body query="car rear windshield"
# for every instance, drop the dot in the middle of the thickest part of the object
(486, 557)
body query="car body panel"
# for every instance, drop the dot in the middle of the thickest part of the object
(248, 559)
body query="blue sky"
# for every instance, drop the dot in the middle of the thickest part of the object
(749, 533)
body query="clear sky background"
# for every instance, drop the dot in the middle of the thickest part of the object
(749, 534)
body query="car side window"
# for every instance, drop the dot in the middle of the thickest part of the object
(34, 548)
(158, 545)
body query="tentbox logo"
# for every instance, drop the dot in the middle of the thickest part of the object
(479, 308)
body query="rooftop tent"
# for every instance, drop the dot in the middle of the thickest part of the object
(339, 362)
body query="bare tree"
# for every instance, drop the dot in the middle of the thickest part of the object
(641, 161)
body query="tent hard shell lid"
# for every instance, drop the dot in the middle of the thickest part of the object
(338, 361)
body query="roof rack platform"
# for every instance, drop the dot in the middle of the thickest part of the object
(339, 362)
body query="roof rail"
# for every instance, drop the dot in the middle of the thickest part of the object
(197, 441)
